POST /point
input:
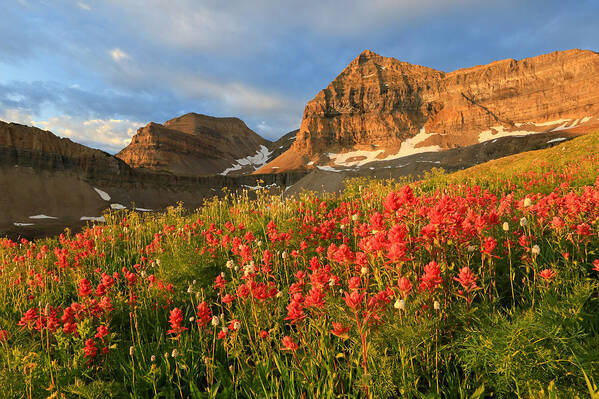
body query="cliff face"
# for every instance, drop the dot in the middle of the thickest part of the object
(381, 107)
(192, 144)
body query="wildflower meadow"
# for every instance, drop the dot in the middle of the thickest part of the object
(482, 283)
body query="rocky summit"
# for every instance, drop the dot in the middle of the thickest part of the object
(379, 108)
(195, 144)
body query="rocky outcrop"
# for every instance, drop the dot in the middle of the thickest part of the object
(380, 107)
(192, 145)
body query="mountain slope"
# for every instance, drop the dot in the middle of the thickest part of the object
(381, 108)
(193, 144)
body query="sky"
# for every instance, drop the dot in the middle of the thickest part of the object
(96, 71)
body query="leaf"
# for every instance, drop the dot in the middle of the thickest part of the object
(479, 392)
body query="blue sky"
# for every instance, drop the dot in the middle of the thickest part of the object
(95, 71)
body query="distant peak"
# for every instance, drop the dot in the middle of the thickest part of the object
(367, 55)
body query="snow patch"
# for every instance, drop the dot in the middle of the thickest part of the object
(556, 140)
(310, 163)
(260, 187)
(144, 210)
(328, 169)
(408, 147)
(549, 123)
(500, 132)
(23, 224)
(117, 206)
(256, 161)
(103, 194)
(93, 218)
(42, 217)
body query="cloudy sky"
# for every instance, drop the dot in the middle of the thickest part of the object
(95, 71)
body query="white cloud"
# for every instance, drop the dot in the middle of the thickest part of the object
(241, 25)
(83, 6)
(109, 134)
(118, 55)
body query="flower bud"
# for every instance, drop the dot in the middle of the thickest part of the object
(175, 353)
(436, 305)
(523, 222)
(131, 350)
(527, 202)
(506, 226)
(535, 250)
(153, 358)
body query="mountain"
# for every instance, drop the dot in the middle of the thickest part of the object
(49, 183)
(380, 108)
(195, 144)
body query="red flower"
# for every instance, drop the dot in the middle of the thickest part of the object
(204, 314)
(102, 332)
(339, 330)
(432, 277)
(90, 349)
(85, 288)
(353, 300)
(467, 279)
(596, 263)
(289, 344)
(263, 334)
(547, 274)
(405, 286)
(489, 245)
(175, 319)
(3, 335)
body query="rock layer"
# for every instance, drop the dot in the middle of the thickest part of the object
(377, 103)
(191, 145)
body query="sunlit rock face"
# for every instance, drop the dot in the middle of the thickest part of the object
(382, 108)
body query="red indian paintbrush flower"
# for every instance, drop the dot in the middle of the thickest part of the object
(547, 275)
(289, 344)
(339, 330)
(353, 300)
(467, 279)
(175, 320)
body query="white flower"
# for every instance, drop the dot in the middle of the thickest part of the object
(131, 350)
(236, 325)
(355, 217)
(471, 248)
(506, 226)
(364, 270)
(527, 202)
(230, 264)
(259, 243)
(436, 305)
(284, 255)
(400, 304)
(225, 330)
(535, 250)
(523, 222)
(190, 290)
(215, 321)
(175, 353)
(191, 319)
(143, 274)
(153, 358)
